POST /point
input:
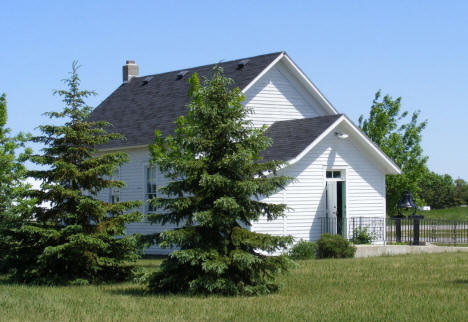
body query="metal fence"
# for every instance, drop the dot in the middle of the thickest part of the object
(351, 227)
(430, 230)
(386, 230)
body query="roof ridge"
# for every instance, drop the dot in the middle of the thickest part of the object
(206, 65)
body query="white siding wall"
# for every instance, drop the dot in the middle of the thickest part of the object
(134, 175)
(365, 185)
(277, 96)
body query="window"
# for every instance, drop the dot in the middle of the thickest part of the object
(150, 187)
(335, 174)
(114, 195)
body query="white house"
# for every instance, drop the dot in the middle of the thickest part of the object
(340, 173)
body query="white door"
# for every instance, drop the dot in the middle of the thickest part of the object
(332, 205)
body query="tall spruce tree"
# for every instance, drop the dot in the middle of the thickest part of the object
(12, 182)
(74, 240)
(217, 181)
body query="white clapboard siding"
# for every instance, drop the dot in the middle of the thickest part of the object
(365, 188)
(365, 194)
(277, 96)
(133, 173)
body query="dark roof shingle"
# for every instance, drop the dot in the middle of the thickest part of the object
(151, 102)
(291, 137)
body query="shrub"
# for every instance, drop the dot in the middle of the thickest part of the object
(334, 246)
(362, 236)
(303, 250)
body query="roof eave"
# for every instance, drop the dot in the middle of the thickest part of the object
(390, 167)
(316, 141)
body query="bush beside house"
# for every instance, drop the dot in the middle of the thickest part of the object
(303, 250)
(334, 246)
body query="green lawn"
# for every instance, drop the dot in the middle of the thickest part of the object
(418, 287)
(457, 213)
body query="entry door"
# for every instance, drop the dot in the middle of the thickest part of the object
(336, 207)
(341, 213)
(332, 206)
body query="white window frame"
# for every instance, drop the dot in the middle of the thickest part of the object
(342, 174)
(150, 192)
(114, 192)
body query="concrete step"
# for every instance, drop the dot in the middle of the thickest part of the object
(389, 250)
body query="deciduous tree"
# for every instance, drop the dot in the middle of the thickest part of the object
(461, 192)
(437, 191)
(400, 139)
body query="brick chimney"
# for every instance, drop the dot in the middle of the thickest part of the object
(130, 69)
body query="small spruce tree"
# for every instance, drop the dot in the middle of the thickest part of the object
(217, 184)
(74, 240)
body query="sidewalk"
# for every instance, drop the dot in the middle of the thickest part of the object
(388, 250)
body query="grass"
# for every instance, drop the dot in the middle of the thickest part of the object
(456, 213)
(411, 288)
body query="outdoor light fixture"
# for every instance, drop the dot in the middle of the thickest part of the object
(341, 135)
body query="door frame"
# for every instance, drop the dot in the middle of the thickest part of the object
(342, 178)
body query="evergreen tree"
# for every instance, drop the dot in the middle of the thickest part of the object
(217, 181)
(74, 240)
(12, 182)
(401, 142)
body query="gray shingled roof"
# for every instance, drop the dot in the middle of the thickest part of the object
(146, 103)
(291, 137)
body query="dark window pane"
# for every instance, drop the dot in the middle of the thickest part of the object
(149, 207)
(329, 174)
(336, 174)
(151, 186)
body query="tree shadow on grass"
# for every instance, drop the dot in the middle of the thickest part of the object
(460, 281)
(4, 280)
(138, 291)
(141, 291)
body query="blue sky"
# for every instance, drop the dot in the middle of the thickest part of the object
(350, 49)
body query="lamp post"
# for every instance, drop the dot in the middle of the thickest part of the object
(407, 206)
